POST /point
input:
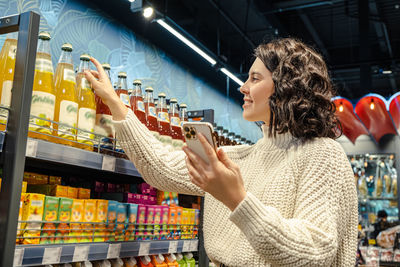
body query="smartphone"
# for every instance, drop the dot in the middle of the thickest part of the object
(191, 131)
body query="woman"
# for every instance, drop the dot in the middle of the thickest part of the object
(288, 200)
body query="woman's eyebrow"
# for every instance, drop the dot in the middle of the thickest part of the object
(254, 73)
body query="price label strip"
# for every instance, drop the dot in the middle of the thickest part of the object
(194, 246)
(186, 246)
(31, 148)
(81, 253)
(113, 251)
(173, 247)
(144, 248)
(108, 163)
(51, 255)
(18, 256)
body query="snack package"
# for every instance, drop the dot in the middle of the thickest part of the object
(32, 211)
(77, 211)
(55, 180)
(157, 222)
(89, 215)
(197, 223)
(64, 216)
(83, 193)
(386, 254)
(111, 219)
(101, 217)
(174, 199)
(141, 220)
(178, 228)
(72, 192)
(185, 223)
(59, 191)
(149, 234)
(164, 222)
(20, 214)
(172, 221)
(130, 229)
(192, 220)
(121, 221)
(50, 214)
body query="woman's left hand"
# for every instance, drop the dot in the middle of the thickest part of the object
(220, 177)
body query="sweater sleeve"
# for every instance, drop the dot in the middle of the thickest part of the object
(159, 166)
(310, 237)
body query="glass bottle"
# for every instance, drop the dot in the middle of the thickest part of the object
(43, 93)
(176, 130)
(231, 137)
(66, 111)
(221, 138)
(227, 141)
(151, 114)
(87, 106)
(183, 114)
(137, 101)
(163, 120)
(237, 139)
(242, 141)
(122, 89)
(7, 66)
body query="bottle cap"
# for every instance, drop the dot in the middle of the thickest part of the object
(237, 136)
(122, 74)
(243, 139)
(118, 262)
(189, 255)
(106, 66)
(173, 100)
(179, 257)
(162, 95)
(149, 89)
(137, 82)
(44, 36)
(231, 134)
(85, 57)
(131, 261)
(145, 260)
(219, 128)
(106, 263)
(87, 264)
(183, 105)
(225, 131)
(171, 257)
(67, 47)
(160, 258)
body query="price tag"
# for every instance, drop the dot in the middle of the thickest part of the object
(113, 251)
(108, 163)
(173, 247)
(144, 248)
(81, 253)
(18, 256)
(31, 148)
(51, 255)
(186, 245)
(194, 245)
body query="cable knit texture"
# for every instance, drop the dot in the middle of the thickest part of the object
(300, 208)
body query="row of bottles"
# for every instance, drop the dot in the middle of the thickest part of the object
(226, 138)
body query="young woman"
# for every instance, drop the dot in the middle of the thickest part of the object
(288, 200)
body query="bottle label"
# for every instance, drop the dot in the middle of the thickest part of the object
(42, 106)
(85, 83)
(152, 112)
(86, 121)
(44, 65)
(104, 126)
(69, 75)
(163, 116)
(5, 100)
(175, 121)
(68, 116)
(125, 99)
(12, 52)
(140, 106)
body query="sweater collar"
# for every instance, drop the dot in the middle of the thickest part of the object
(281, 141)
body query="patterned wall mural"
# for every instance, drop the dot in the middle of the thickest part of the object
(91, 31)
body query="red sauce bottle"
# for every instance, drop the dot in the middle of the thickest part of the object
(150, 109)
(122, 89)
(176, 130)
(183, 115)
(136, 100)
(164, 128)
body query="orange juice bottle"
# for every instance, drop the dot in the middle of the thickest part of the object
(122, 89)
(170, 259)
(163, 120)
(158, 261)
(137, 101)
(43, 93)
(151, 114)
(7, 65)
(87, 106)
(66, 111)
(183, 115)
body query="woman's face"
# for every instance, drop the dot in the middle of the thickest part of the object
(257, 90)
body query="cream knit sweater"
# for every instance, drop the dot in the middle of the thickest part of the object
(301, 204)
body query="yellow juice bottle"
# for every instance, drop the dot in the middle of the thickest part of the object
(87, 107)
(43, 94)
(7, 65)
(66, 111)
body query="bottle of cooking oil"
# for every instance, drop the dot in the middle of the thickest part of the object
(66, 111)
(7, 65)
(87, 106)
(43, 94)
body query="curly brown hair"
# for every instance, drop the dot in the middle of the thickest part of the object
(301, 103)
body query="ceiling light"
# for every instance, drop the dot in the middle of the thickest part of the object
(131, 1)
(387, 72)
(148, 12)
(186, 41)
(233, 77)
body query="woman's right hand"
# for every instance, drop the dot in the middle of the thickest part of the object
(103, 88)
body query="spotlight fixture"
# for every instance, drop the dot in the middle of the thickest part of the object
(148, 12)
(387, 72)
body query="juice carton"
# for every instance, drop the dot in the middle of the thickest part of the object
(89, 215)
(192, 221)
(111, 218)
(158, 261)
(150, 222)
(83, 193)
(24, 186)
(141, 220)
(59, 191)
(121, 221)
(55, 180)
(177, 228)
(157, 222)
(101, 217)
(185, 222)
(64, 216)
(20, 213)
(50, 214)
(164, 222)
(172, 221)
(174, 198)
(42, 179)
(197, 223)
(77, 211)
(130, 229)
(72, 192)
(32, 211)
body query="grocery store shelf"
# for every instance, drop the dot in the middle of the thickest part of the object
(32, 255)
(377, 198)
(57, 153)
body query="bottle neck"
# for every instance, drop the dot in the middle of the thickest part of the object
(43, 46)
(148, 98)
(65, 57)
(162, 104)
(107, 71)
(183, 114)
(122, 84)
(137, 91)
(173, 108)
(83, 65)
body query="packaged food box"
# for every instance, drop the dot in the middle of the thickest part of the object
(164, 222)
(111, 219)
(141, 220)
(77, 210)
(24, 186)
(172, 221)
(101, 217)
(64, 216)
(89, 215)
(20, 214)
(72, 192)
(150, 220)
(59, 190)
(185, 223)
(121, 221)
(83, 193)
(157, 222)
(130, 229)
(32, 211)
(129, 198)
(178, 228)
(39, 189)
(55, 180)
(50, 214)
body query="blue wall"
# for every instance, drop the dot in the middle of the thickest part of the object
(91, 31)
